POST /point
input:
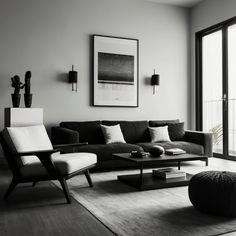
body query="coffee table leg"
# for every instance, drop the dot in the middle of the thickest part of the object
(178, 165)
(141, 177)
(206, 161)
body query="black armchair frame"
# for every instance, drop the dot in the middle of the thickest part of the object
(45, 158)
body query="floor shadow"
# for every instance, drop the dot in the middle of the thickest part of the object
(114, 187)
(25, 197)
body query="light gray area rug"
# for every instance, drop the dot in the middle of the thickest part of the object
(164, 212)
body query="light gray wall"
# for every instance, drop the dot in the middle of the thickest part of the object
(206, 14)
(47, 37)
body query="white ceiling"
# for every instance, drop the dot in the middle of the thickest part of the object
(181, 3)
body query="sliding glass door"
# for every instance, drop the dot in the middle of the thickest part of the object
(216, 86)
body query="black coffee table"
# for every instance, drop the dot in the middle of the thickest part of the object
(146, 181)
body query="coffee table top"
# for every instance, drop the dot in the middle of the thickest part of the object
(162, 158)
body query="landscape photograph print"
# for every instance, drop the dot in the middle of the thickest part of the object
(115, 71)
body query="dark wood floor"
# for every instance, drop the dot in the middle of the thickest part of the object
(41, 210)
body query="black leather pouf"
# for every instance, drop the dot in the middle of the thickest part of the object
(214, 192)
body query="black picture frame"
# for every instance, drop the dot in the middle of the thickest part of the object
(115, 71)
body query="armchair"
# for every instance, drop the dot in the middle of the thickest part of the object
(32, 158)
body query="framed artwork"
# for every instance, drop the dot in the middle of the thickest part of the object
(115, 77)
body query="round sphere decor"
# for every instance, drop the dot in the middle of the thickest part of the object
(214, 192)
(156, 151)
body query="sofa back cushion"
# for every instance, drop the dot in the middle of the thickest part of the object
(133, 131)
(89, 131)
(176, 131)
(157, 123)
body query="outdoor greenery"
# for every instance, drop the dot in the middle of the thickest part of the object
(217, 133)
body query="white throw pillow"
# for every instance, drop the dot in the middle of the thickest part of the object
(159, 134)
(112, 134)
(30, 138)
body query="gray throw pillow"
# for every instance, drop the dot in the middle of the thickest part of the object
(159, 134)
(112, 134)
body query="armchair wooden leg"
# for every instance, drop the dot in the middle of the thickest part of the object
(34, 183)
(87, 174)
(65, 189)
(10, 188)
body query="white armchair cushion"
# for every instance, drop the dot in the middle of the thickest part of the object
(64, 163)
(71, 162)
(30, 138)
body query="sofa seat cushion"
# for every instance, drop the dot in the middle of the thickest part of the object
(187, 146)
(64, 163)
(104, 151)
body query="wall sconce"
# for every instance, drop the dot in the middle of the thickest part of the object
(73, 79)
(155, 81)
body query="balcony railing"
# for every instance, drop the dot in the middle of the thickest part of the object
(212, 122)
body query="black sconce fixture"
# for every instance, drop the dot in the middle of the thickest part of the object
(155, 81)
(73, 79)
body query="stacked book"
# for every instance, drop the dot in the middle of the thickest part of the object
(168, 173)
(174, 151)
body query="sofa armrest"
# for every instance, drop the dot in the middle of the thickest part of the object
(202, 138)
(61, 135)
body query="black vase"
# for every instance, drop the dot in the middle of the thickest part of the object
(28, 99)
(15, 99)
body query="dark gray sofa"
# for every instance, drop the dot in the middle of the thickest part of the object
(136, 135)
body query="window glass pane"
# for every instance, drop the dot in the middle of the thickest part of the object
(232, 89)
(212, 87)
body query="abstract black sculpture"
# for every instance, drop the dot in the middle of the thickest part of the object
(17, 85)
(27, 95)
(156, 151)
